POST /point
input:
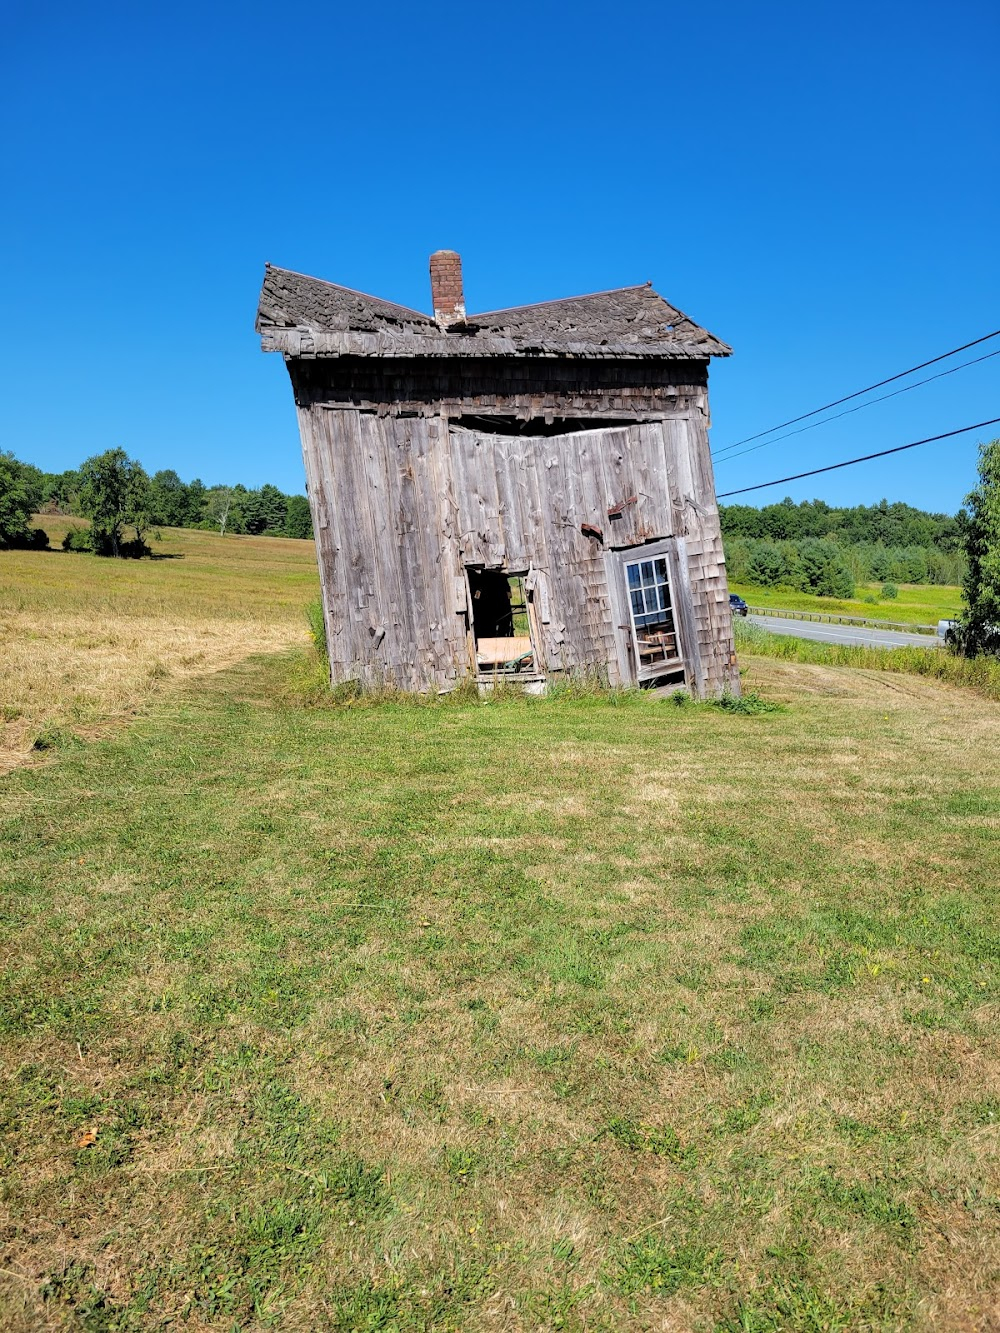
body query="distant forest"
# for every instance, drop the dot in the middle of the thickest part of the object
(178, 504)
(817, 548)
(810, 546)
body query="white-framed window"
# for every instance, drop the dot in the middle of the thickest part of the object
(654, 634)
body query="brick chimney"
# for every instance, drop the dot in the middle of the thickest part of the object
(446, 287)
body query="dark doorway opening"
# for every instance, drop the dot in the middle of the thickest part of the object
(538, 426)
(501, 622)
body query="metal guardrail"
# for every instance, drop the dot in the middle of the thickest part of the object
(830, 619)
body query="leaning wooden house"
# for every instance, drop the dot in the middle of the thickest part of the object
(526, 492)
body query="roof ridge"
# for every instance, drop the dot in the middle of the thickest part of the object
(352, 291)
(618, 322)
(561, 300)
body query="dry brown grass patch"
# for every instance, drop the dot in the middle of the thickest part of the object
(86, 643)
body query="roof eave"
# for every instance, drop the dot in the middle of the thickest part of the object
(311, 344)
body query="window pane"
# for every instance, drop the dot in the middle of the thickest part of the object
(652, 618)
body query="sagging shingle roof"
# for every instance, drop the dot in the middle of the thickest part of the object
(306, 317)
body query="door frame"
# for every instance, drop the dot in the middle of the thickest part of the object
(670, 548)
(538, 670)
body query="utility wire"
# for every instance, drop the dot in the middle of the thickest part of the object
(832, 467)
(793, 421)
(860, 407)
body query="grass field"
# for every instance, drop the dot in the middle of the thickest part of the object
(933, 662)
(85, 642)
(917, 603)
(571, 1013)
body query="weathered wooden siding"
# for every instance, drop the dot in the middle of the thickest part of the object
(690, 460)
(402, 503)
(521, 388)
(387, 549)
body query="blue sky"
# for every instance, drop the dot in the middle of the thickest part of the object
(817, 184)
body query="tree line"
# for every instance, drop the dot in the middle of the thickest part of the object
(883, 524)
(821, 564)
(811, 546)
(119, 497)
(816, 547)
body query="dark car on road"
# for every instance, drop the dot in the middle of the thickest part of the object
(737, 605)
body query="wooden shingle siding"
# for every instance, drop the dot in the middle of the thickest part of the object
(523, 389)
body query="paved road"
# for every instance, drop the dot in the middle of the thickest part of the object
(851, 634)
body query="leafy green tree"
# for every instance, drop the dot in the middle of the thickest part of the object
(237, 517)
(766, 565)
(253, 512)
(835, 580)
(978, 629)
(878, 564)
(20, 496)
(197, 495)
(275, 508)
(820, 568)
(170, 498)
(34, 482)
(115, 494)
(219, 508)
(61, 490)
(299, 520)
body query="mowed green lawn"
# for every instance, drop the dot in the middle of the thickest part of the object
(916, 604)
(568, 1013)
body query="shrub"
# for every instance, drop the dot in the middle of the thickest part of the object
(77, 539)
(978, 630)
(750, 704)
(317, 627)
(889, 591)
(99, 542)
(102, 543)
(29, 539)
(19, 495)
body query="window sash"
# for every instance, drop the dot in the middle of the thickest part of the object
(654, 633)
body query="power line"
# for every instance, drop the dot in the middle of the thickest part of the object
(860, 407)
(832, 467)
(793, 421)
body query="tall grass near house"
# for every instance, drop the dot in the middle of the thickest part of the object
(317, 627)
(936, 663)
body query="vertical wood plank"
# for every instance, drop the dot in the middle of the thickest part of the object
(385, 452)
